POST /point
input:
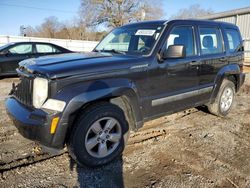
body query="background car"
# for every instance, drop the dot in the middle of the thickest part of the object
(11, 54)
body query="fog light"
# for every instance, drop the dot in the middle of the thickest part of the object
(53, 125)
(53, 104)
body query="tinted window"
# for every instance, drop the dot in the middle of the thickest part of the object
(211, 41)
(44, 48)
(183, 36)
(21, 49)
(233, 39)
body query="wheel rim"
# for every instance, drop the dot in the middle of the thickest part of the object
(103, 137)
(226, 99)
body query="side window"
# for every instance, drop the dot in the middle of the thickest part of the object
(233, 39)
(211, 41)
(21, 49)
(44, 48)
(183, 35)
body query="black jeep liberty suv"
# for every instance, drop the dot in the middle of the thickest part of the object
(138, 72)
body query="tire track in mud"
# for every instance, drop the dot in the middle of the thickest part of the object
(27, 161)
(33, 159)
(136, 138)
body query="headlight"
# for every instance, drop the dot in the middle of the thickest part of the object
(53, 104)
(40, 91)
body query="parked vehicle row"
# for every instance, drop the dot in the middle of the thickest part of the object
(11, 54)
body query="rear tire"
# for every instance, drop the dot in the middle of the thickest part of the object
(99, 135)
(224, 100)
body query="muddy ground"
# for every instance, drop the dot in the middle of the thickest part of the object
(187, 149)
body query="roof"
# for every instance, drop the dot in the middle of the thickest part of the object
(228, 13)
(202, 21)
(150, 22)
(183, 21)
(31, 42)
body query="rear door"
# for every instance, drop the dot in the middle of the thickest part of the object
(13, 55)
(213, 56)
(46, 49)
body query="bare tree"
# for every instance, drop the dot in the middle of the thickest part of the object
(194, 11)
(111, 13)
(49, 27)
(115, 13)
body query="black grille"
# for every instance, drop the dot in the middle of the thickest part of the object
(23, 91)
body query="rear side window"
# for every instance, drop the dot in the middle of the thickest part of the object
(183, 35)
(211, 40)
(233, 39)
(44, 48)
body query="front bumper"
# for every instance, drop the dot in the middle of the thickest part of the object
(33, 124)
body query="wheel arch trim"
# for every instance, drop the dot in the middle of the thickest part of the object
(224, 72)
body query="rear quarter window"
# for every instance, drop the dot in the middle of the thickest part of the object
(233, 39)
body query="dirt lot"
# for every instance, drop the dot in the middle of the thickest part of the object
(187, 149)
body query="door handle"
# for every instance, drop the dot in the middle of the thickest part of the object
(195, 63)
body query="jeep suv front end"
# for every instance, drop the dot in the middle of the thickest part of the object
(35, 115)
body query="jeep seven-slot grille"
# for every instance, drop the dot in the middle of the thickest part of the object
(23, 91)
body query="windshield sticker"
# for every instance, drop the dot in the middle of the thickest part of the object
(145, 32)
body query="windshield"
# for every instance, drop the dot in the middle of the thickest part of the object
(5, 46)
(130, 40)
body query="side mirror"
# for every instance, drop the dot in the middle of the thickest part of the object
(5, 53)
(174, 51)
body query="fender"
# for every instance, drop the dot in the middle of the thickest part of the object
(231, 69)
(80, 94)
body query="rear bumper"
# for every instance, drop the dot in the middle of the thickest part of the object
(33, 124)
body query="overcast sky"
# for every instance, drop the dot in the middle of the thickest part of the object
(14, 13)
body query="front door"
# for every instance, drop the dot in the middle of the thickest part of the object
(9, 61)
(174, 82)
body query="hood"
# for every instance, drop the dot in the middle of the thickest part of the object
(64, 65)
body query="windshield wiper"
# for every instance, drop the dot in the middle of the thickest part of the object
(112, 51)
(117, 51)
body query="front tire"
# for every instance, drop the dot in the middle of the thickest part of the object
(99, 135)
(224, 100)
